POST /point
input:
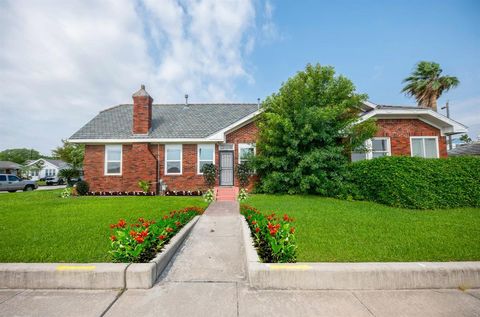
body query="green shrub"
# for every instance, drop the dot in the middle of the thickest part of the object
(274, 236)
(244, 171)
(209, 174)
(419, 183)
(144, 185)
(82, 188)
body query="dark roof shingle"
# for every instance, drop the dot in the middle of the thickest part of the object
(168, 121)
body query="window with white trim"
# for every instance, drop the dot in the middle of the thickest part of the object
(173, 159)
(205, 155)
(113, 159)
(245, 151)
(426, 147)
(374, 147)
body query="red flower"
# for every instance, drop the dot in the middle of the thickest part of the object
(143, 233)
(292, 230)
(161, 237)
(133, 233)
(257, 229)
(113, 238)
(286, 218)
(141, 219)
(139, 239)
(122, 223)
(169, 229)
(146, 224)
(165, 217)
(254, 222)
(113, 226)
(177, 223)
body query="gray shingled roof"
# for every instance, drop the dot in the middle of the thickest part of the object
(9, 165)
(466, 149)
(168, 121)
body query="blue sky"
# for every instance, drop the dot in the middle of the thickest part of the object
(376, 44)
(63, 62)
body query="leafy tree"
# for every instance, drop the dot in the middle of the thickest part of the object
(26, 170)
(427, 85)
(306, 133)
(465, 138)
(71, 153)
(19, 156)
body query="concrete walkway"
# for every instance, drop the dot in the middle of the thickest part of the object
(207, 278)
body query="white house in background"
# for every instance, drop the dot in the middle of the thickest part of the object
(49, 168)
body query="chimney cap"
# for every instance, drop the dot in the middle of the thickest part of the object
(141, 93)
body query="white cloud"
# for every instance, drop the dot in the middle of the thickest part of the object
(63, 61)
(467, 111)
(270, 32)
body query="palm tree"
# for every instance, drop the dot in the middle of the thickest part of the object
(426, 84)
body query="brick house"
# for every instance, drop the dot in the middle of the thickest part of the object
(169, 143)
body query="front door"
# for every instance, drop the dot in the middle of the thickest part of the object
(226, 168)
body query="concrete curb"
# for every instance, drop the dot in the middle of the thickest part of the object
(356, 276)
(91, 275)
(144, 275)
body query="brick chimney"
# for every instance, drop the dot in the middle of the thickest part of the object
(142, 111)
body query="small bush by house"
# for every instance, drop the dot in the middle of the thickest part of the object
(418, 183)
(82, 188)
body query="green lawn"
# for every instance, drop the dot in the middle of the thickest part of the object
(331, 230)
(42, 227)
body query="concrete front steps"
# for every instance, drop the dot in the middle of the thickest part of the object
(226, 193)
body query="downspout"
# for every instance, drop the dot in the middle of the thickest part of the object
(158, 169)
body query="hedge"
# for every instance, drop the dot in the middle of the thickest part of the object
(419, 183)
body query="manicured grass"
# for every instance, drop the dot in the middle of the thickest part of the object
(331, 230)
(42, 227)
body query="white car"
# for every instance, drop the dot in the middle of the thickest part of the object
(12, 183)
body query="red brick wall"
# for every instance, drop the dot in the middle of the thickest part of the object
(142, 114)
(400, 131)
(138, 163)
(246, 134)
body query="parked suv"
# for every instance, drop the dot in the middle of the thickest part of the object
(54, 180)
(12, 183)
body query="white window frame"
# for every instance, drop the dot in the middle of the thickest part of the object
(423, 138)
(245, 146)
(107, 146)
(174, 146)
(369, 147)
(206, 145)
(389, 148)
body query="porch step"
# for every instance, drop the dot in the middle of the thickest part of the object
(226, 193)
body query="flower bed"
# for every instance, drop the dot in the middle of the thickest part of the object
(142, 240)
(273, 236)
(116, 193)
(183, 193)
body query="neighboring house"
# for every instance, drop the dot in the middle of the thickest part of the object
(7, 167)
(42, 168)
(466, 149)
(170, 142)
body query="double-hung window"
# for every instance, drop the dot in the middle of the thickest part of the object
(374, 147)
(245, 151)
(173, 159)
(206, 155)
(426, 147)
(113, 159)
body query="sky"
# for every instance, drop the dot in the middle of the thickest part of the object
(61, 62)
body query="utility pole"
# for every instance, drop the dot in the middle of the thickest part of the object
(447, 107)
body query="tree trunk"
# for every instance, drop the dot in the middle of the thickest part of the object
(432, 102)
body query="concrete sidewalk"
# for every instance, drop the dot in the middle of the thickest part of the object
(207, 278)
